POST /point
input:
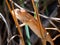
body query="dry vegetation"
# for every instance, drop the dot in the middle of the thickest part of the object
(23, 26)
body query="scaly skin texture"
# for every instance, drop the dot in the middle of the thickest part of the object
(27, 18)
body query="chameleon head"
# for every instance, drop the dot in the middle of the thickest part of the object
(20, 14)
(18, 11)
(15, 11)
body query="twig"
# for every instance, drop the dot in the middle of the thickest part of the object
(16, 22)
(13, 37)
(8, 29)
(53, 24)
(52, 29)
(56, 37)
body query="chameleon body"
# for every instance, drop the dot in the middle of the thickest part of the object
(28, 19)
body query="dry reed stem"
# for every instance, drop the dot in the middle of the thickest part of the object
(55, 29)
(51, 22)
(38, 18)
(42, 30)
(16, 22)
(56, 37)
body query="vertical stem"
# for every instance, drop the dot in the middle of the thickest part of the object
(37, 8)
(38, 18)
(43, 32)
(16, 22)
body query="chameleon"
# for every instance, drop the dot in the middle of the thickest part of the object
(28, 19)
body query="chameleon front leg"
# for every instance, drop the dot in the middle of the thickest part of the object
(21, 25)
